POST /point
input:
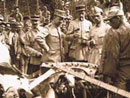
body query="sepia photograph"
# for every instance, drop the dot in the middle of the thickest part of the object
(64, 48)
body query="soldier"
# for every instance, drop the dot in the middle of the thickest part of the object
(27, 24)
(24, 59)
(68, 20)
(14, 43)
(78, 32)
(46, 15)
(54, 38)
(47, 18)
(115, 57)
(8, 28)
(97, 34)
(34, 45)
(10, 33)
(17, 15)
(3, 33)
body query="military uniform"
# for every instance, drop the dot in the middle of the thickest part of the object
(15, 45)
(17, 15)
(78, 51)
(34, 44)
(97, 35)
(54, 40)
(3, 33)
(115, 59)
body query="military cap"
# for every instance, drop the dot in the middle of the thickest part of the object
(16, 25)
(98, 11)
(11, 19)
(69, 17)
(7, 24)
(80, 7)
(60, 13)
(3, 24)
(114, 12)
(35, 17)
(26, 18)
(16, 7)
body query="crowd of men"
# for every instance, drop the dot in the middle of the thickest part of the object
(105, 41)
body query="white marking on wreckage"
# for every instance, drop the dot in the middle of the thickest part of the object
(11, 80)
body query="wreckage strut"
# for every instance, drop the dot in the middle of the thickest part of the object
(93, 81)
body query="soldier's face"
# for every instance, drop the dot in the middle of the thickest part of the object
(2, 28)
(17, 29)
(97, 18)
(35, 23)
(115, 22)
(81, 15)
(27, 23)
(59, 21)
(17, 10)
(68, 20)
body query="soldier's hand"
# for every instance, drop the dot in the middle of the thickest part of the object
(76, 30)
(92, 43)
(47, 49)
(18, 56)
(76, 36)
(84, 41)
(39, 54)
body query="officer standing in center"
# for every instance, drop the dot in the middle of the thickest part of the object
(54, 38)
(78, 33)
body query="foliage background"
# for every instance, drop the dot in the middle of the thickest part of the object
(28, 7)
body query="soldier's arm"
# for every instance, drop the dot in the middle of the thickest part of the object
(72, 35)
(69, 37)
(110, 54)
(71, 27)
(41, 39)
(72, 31)
(29, 51)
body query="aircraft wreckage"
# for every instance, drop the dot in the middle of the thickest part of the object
(76, 73)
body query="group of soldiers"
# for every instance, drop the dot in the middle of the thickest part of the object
(65, 39)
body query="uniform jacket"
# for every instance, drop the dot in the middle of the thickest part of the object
(77, 51)
(34, 42)
(3, 38)
(116, 51)
(15, 42)
(54, 40)
(97, 35)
